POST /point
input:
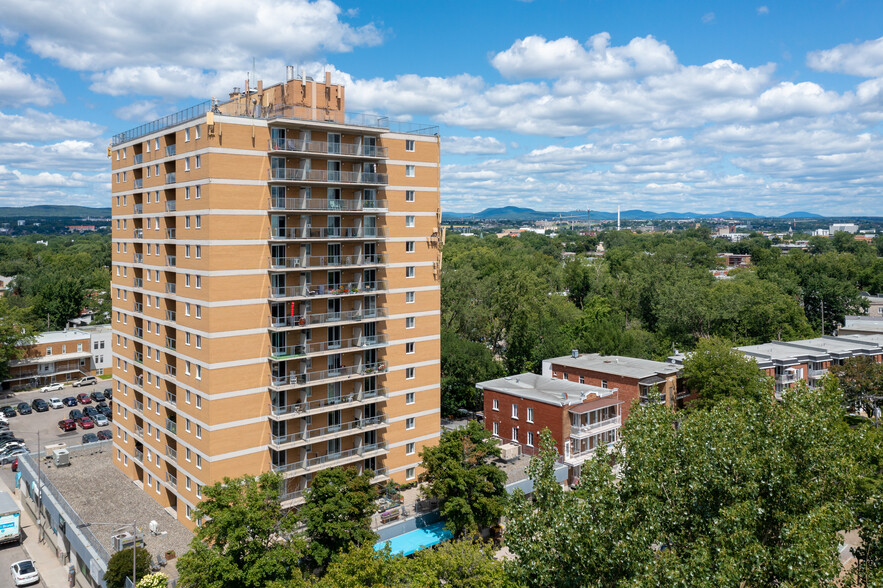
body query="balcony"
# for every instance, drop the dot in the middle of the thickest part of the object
(333, 403)
(171, 343)
(171, 426)
(786, 378)
(139, 183)
(139, 307)
(138, 406)
(171, 315)
(171, 398)
(138, 282)
(818, 374)
(170, 178)
(308, 320)
(138, 158)
(139, 332)
(317, 261)
(170, 205)
(170, 288)
(171, 371)
(171, 480)
(293, 351)
(321, 204)
(305, 466)
(139, 357)
(139, 258)
(139, 208)
(307, 436)
(309, 291)
(584, 430)
(335, 233)
(341, 373)
(138, 455)
(172, 454)
(170, 233)
(321, 176)
(139, 431)
(323, 147)
(139, 233)
(578, 458)
(171, 260)
(170, 150)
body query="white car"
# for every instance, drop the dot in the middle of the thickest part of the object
(52, 387)
(56, 403)
(100, 420)
(24, 572)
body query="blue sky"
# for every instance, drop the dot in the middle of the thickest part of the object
(768, 107)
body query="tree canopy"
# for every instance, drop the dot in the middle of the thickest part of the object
(714, 371)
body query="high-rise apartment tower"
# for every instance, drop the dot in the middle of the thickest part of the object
(276, 294)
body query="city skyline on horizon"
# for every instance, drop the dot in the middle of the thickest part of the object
(766, 108)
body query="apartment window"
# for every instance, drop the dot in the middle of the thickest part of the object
(496, 429)
(198, 461)
(187, 482)
(409, 373)
(603, 383)
(515, 434)
(124, 153)
(409, 247)
(198, 311)
(156, 171)
(187, 454)
(199, 252)
(410, 423)
(198, 161)
(514, 411)
(409, 171)
(187, 222)
(187, 251)
(409, 398)
(198, 282)
(187, 280)
(156, 145)
(187, 193)
(410, 271)
(199, 431)
(409, 221)
(198, 491)
(148, 175)
(409, 322)
(186, 135)
(409, 297)
(189, 512)
(530, 439)
(409, 347)
(147, 147)
(186, 309)
(198, 221)
(409, 195)
(199, 341)
(496, 404)
(529, 414)
(198, 401)
(199, 372)
(124, 176)
(199, 191)
(198, 133)
(118, 155)
(186, 164)
(409, 144)
(582, 380)
(410, 448)
(186, 338)
(187, 396)
(410, 474)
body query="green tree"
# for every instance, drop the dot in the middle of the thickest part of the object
(337, 512)
(714, 370)
(15, 330)
(861, 379)
(463, 363)
(120, 567)
(245, 539)
(459, 472)
(155, 580)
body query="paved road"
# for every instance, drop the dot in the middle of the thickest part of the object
(9, 554)
(26, 426)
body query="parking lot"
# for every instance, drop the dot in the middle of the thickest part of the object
(46, 423)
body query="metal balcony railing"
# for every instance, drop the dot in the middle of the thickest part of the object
(171, 315)
(308, 291)
(170, 178)
(171, 371)
(139, 431)
(139, 357)
(292, 321)
(337, 402)
(139, 258)
(171, 480)
(287, 233)
(333, 459)
(171, 398)
(171, 206)
(324, 147)
(312, 435)
(172, 454)
(171, 426)
(139, 208)
(290, 351)
(170, 233)
(170, 150)
(138, 282)
(316, 261)
(139, 233)
(815, 374)
(586, 429)
(138, 406)
(321, 176)
(139, 183)
(139, 332)
(170, 288)
(320, 204)
(310, 378)
(171, 260)
(139, 307)
(171, 343)
(138, 158)
(138, 455)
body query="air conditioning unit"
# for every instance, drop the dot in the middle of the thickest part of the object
(61, 457)
(126, 540)
(509, 451)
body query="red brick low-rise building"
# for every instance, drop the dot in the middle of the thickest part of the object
(581, 418)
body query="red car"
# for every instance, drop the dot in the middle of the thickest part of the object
(67, 425)
(84, 399)
(85, 422)
(104, 435)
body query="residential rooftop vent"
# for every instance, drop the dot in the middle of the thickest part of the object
(574, 353)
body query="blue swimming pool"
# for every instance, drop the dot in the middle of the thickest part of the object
(414, 541)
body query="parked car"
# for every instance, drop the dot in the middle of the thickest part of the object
(87, 381)
(90, 438)
(75, 414)
(108, 393)
(56, 403)
(40, 405)
(100, 420)
(67, 425)
(90, 411)
(9, 411)
(11, 446)
(52, 387)
(24, 572)
(11, 454)
(85, 422)
(69, 401)
(106, 411)
(104, 435)
(9, 435)
(84, 398)
(23, 408)
(97, 396)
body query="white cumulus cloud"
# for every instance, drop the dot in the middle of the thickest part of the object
(18, 88)
(472, 145)
(858, 59)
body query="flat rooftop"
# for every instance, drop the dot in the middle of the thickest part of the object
(875, 338)
(629, 367)
(61, 336)
(544, 389)
(100, 493)
(837, 345)
(783, 352)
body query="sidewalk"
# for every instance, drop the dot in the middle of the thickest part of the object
(52, 572)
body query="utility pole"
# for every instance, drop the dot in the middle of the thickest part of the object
(134, 552)
(823, 317)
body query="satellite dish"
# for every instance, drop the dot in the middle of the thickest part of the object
(154, 527)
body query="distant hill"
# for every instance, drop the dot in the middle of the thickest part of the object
(53, 211)
(514, 213)
(801, 215)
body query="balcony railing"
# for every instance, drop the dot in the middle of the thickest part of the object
(139, 258)
(313, 435)
(289, 351)
(316, 261)
(139, 233)
(138, 282)
(138, 455)
(139, 183)
(138, 406)
(171, 260)
(349, 149)
(139, 431)
(170, 178)
(139, 332)
(139, 307)
(816, 374)
(170, 233)
(321, 176)
(139, 357)
(306, 320)
(170, 150)
(310, 378)
(139, 208)
(138, 158)
(171, 343)
(170, 288)
(589, 428)
(170, 205)
(172, 454)
(337, 402)
(171, 426)
(172, 371)
(171, 398)
(333, 459)
(786, 378)
(307, 290)
(319, 204)
(287, 233)
(171, 315)
(171, 480)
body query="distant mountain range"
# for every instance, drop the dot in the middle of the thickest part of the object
(53, 211)
(514, 213)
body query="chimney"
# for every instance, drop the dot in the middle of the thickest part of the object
(327, 79)
(289, 73)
